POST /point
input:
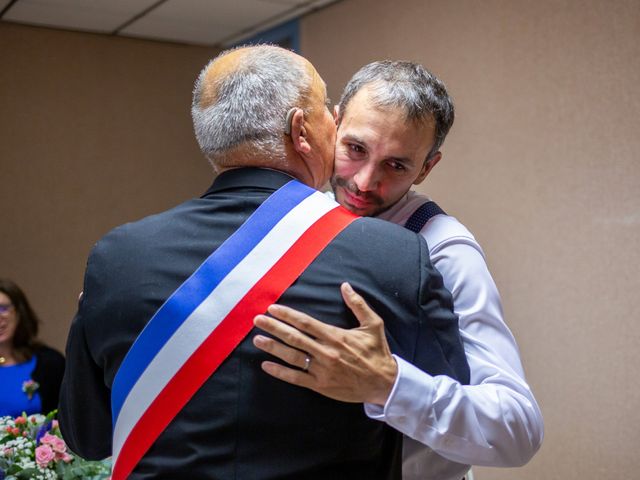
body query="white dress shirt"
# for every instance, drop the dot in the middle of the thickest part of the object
(494, 421)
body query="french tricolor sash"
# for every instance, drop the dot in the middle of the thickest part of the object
(203, 321)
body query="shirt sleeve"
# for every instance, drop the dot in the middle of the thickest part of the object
(494, 421)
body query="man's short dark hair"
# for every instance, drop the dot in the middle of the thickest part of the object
(405, 85)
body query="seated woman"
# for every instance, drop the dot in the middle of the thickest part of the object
(30, 372)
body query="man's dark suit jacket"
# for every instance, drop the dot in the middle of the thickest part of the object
(244, 424)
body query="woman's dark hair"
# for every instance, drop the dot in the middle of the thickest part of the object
(24, 339)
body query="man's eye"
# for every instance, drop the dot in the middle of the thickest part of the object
(399, 167)
(356, 148)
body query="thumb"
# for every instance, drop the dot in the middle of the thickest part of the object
(363, 312)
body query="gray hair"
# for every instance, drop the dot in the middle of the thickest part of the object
(404, 85)
(251, 104)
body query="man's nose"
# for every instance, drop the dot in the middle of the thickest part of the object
(366, 179)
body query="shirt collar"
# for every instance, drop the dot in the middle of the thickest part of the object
(248, 177)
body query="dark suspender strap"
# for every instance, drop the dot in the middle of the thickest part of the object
(422, 215)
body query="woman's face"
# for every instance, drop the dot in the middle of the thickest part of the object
(8, 320)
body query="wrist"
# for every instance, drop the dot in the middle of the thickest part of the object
(387, 380)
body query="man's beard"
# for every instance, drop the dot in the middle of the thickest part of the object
(375, 202)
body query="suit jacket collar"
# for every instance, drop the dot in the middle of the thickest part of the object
(239, 178)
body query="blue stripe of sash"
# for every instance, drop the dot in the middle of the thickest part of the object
(197, 288)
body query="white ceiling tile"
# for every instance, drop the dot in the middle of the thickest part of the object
(323, 3)
(206, 22)
(91, 15)
(293, 3)
(202, 33)
(234, 13)
(303, 5)
(203, 21)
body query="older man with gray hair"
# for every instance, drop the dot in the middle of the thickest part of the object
(161, 347)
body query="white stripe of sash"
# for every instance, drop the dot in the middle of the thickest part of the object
(208, 315)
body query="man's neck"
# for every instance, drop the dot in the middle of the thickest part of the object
(389, 212)
(299, 174)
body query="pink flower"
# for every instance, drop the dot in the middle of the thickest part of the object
(30, 387)
(56, 443)
(58, 447)
(44, 455)
(65, 457)
(20, 421)
(54, 424)
(8, 452)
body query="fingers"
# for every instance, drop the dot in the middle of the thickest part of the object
(289, 375)
(288, 334)
(285, 353)
(360, 308)
(302, 322)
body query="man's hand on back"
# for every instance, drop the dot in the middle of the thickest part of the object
(353, 365)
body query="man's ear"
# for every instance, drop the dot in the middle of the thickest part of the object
(336, 113)
(426, 167)
(298, 132)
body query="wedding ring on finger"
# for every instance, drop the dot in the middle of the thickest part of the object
(307, 363)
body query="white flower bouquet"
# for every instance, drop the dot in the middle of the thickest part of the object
(31, 447)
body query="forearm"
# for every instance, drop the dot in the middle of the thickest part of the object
(495, 421)
(487, 424)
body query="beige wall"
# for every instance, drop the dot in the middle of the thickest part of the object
(95, 131)
(543, 165)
